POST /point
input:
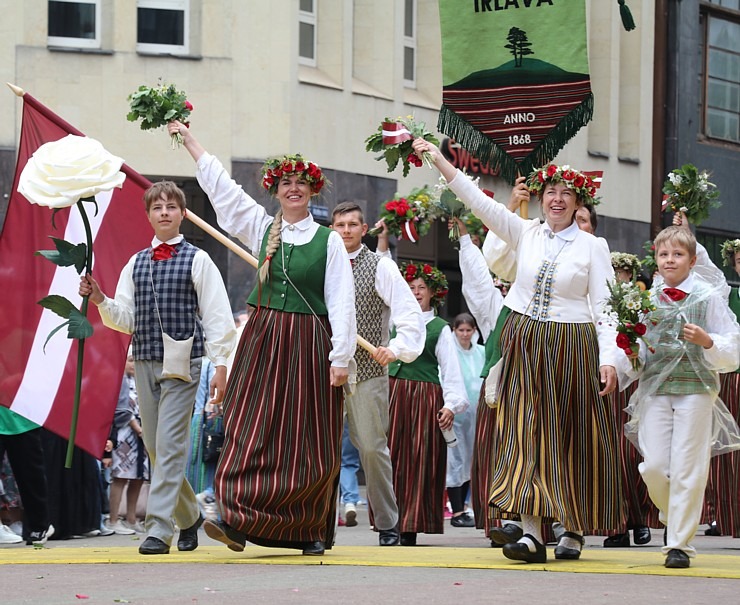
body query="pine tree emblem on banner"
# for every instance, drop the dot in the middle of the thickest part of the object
(516, 85)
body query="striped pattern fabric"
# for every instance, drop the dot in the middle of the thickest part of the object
(555, 444)
(641, 511)
(176, 299)
(419, 455)
(278, 474)
(480, 472)
(722, 497)
(486, 110)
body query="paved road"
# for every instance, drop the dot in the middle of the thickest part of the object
(155, 582)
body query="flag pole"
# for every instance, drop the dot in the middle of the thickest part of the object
(16, 89)
(242, 253)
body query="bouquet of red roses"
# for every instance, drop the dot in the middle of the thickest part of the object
(394, 138)
(159, 105)
(409, 217)
(629, 306)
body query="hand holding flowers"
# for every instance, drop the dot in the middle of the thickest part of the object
(157, 106)
(408, 217)
(629, 306)
(689, 191)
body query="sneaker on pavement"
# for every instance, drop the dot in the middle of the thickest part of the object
(119, 528)
(105, 530)
(8, 536)
(208, 505)
(464, 520)
(350, 514)
(138, 527)
(40, 537)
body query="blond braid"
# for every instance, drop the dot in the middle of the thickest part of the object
(273, 241)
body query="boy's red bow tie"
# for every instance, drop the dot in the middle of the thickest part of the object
(674, 294)
(163, 252)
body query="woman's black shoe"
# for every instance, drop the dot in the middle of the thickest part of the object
(314, 548)
(563, 552)
(641, 535)
(218, 530)
(408, 538)
(519, 551)
(619, 540)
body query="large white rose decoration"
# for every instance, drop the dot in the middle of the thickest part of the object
(62, 172)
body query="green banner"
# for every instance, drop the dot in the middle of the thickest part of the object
(515, 79)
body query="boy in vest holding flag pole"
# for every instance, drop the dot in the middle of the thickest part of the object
(172, 298)
(382, 297)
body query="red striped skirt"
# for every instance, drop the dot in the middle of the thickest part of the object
(641, 511)
(722, 497)
(480, 472)
(277, 476)
(555, 452)
(419, 455)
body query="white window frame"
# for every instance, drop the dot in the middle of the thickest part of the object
(167, 49)
(66, 42)
(309, 18)
(706, 108)
(410, 42)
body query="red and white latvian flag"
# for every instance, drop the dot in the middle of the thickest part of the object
(40, 385)
(395, 133)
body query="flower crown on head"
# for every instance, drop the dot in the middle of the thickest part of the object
(433, 278)
(576, 180)
(729, 249)
(626, 261)
(276, 168)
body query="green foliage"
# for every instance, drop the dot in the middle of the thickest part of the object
(689, 191)
(66, 254)
(156, 106)
(78, 326)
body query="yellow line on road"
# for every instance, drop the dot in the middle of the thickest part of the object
(595, 560)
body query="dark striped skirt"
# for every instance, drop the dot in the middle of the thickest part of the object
(722, 497)
(480, 472)
(278, 474)
(419, 455)
(555, 451)
(641, 511)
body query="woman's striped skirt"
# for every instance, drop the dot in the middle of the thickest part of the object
(722, 498)
(555, 451)
(480, 472)
(641, 511)
(419, 455)
(278, 474)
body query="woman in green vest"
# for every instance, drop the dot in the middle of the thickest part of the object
(277, 476)
(425, 395)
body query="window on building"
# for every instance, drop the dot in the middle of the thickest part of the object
(162, 26)
(307, 32)
(74, 24)
(409, 43)
(722, 70)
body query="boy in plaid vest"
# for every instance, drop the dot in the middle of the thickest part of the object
(695, 337)
(175, 288)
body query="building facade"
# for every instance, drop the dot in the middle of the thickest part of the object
(315, 77)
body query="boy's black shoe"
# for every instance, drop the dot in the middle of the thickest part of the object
(677, 559)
